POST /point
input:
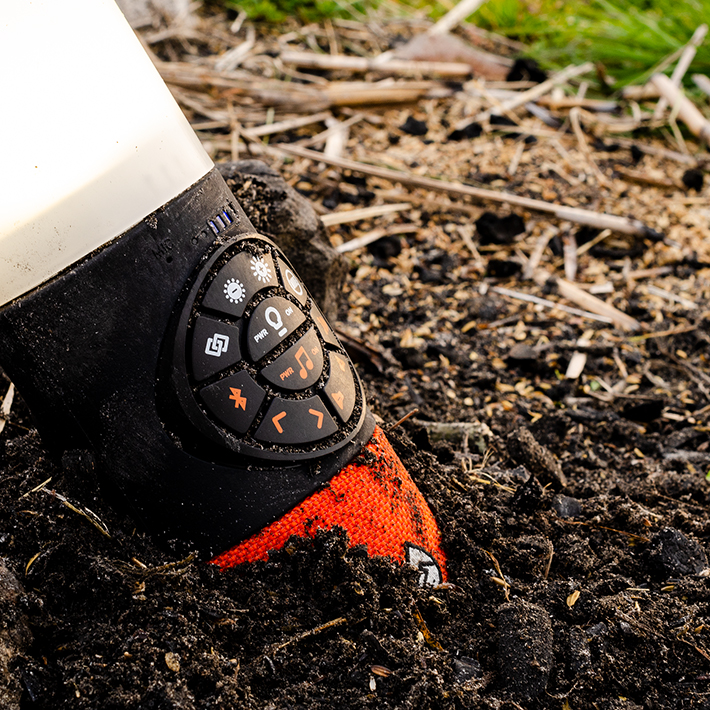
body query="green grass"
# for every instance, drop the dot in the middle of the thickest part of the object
(305, 10)
(628, 38)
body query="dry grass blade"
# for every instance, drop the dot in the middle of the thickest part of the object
(686, 110)
(550, 304)
(596, 305)
(311, 632)
(84, 512)
(702, 82)
(6, 406)
(500, 579)
(662, 293)
(363, 213)
(454, 16)
(374, 235)
(683, 63)
(282, 126)
(392, 67)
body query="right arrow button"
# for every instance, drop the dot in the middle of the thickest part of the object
(340, 388)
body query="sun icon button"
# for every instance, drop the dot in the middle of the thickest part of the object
(260, 269)
(234, 291)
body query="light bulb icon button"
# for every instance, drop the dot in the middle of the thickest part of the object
(273, 320)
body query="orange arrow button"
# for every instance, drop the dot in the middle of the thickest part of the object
(276, 421)
(318, 414)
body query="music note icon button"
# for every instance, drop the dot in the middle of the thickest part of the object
(299, 367)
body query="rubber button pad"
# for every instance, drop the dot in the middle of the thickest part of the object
(263, 363)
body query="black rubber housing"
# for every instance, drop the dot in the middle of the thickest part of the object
(87, 351)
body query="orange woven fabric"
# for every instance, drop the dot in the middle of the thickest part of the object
(376, 503)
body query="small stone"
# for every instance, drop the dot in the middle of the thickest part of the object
(525, 648)
(519, 474)
(172, 661)
(466, 669)
(521, 352)
(414, 127)
(566, 507)
(672, 554)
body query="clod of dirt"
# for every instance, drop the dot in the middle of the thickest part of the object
(694, 179)
(526, 70)
(472, 130)
(15, 638)
(503, 268)
(528, 556)
(644, 411)
(499, 230)
(672, 554)
(523, 356)
(524, 449)
(525, 651)
(282, 214)
(414, 127)
(384, 249)
(528, 497)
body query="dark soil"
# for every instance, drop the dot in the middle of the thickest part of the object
(575, 526)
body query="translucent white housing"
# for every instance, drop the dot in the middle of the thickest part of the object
(91, 140)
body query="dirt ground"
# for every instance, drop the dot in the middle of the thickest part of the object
(577, 572)
(574, 509)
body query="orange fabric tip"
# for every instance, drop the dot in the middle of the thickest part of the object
(375, 501)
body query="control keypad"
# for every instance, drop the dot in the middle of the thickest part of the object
(267, 374)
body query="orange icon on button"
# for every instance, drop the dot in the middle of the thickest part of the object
(339, 399)
(276, 421)
(318, 414)
(239, 401)
(307, 363)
